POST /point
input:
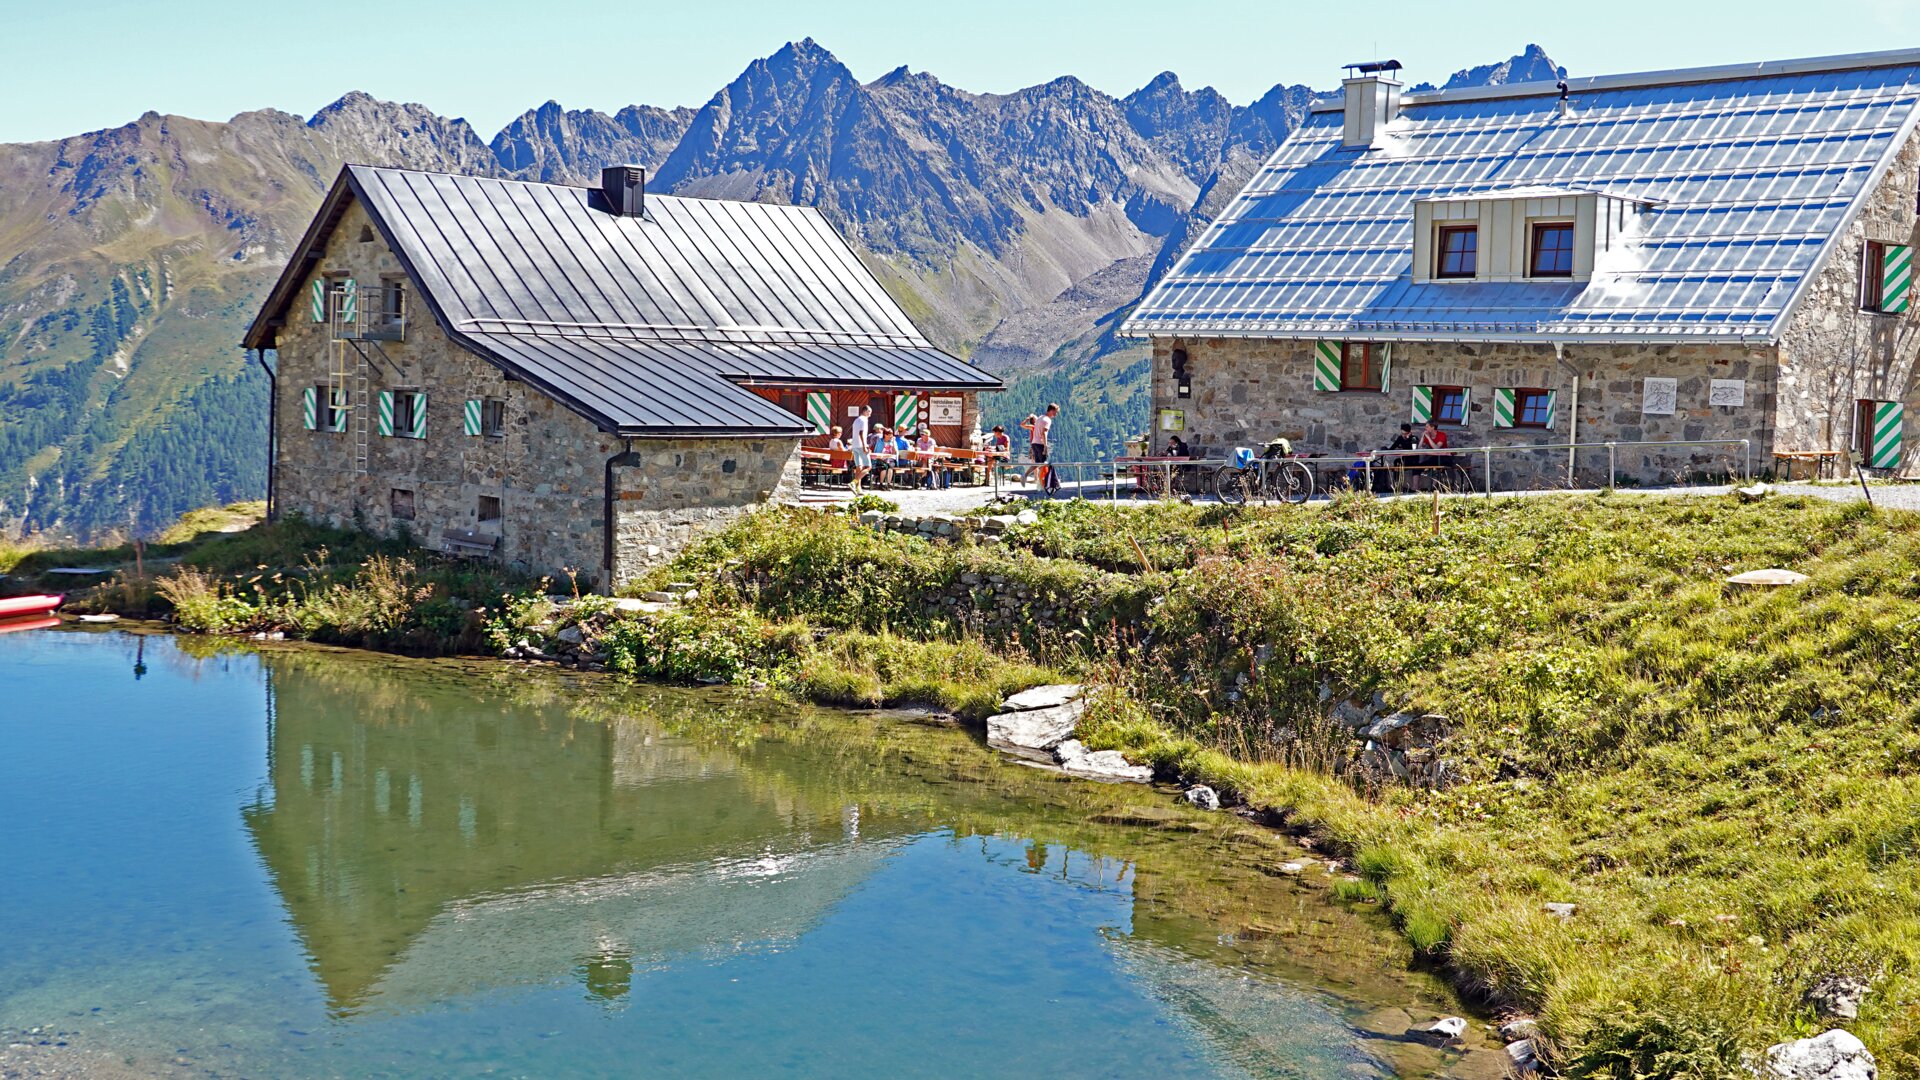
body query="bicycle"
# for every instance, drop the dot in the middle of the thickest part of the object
(1272, 475)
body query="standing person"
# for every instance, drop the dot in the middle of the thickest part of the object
(1432, 438)
(1028, 425)
(1042, 433)
(857, 440)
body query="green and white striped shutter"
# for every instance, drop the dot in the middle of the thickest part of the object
(906, 412)
(1326, 365)
(385, 413)
(349, 303)
(337, 407)
(318, 301)
(1888, 418)
(1553, 403)
(1422, 404)
(419, 415)
(1386, 369)
(1896, 278)
(310, 408)
(470, 416)
(1502, 406)
(820, 411)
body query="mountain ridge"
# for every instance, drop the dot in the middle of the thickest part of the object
(1016, 228)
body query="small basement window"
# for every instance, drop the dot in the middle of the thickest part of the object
(1552, 255)
(400, 504)
(1532, 408)
(489, 508)
(1361, 365)
(1457, 255)
(493, 418)
(1450, 404)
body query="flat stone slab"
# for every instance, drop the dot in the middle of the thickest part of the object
(1768, 577)
(644, 607)
(1034, 733)
(1043, 697)
(1108, 765)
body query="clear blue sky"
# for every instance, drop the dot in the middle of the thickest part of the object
(68, 66)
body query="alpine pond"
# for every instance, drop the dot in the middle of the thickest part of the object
(309, 862)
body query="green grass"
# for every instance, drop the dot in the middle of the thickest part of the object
(1726, 781)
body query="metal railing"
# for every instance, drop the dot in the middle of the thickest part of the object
(1170, 477)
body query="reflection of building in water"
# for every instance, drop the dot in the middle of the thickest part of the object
(428, 841)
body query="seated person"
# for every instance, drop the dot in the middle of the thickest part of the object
(903, 457)
(1177, 448)
(837, 444)
(1405, 440)
(883, 462)
(936, 471)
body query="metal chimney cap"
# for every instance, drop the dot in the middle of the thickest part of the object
(1372, 67)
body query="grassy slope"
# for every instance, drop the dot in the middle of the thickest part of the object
(1724, 781)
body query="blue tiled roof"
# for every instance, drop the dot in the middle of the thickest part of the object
(1752, 171)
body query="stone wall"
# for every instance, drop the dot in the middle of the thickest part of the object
(548, 469)
(1246, 391)
(1833, 354)
(670, 491)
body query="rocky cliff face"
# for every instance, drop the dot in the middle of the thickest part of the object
(1016, 228)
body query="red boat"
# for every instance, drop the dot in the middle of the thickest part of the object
(16, 607)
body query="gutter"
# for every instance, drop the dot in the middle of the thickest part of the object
(273, 427)
(1573, 410)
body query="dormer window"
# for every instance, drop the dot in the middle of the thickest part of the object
(1458, 251)
(1552, 251)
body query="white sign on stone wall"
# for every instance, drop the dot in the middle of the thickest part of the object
(944, 410)
(1658, 396)
(1729, 392)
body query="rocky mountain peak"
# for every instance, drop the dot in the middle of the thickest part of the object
(1532, 64)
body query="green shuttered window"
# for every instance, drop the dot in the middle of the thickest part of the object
(1326, 366)
(1884, 452)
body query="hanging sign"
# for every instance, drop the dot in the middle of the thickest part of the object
(1658, 396)
(1731, 393)
(945, 410)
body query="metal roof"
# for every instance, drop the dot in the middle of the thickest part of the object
(645, 325)
(1751, 173)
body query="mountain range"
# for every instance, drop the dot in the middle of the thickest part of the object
(1016, 228)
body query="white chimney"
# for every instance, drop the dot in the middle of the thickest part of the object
(1372, 100)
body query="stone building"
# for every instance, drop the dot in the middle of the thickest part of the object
(1717, 253)
(569, 379)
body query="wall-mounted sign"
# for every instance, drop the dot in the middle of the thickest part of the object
(1658, 396)
(1731, 393)
(1173, 420)
(945, 410)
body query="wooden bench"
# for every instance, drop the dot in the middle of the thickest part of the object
(468, 543)
(821, 466)
(1823, 462)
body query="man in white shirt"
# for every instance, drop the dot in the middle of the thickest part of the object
(857, 440)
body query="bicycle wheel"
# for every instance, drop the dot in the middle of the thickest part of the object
(1230, 485)
(1292, 482)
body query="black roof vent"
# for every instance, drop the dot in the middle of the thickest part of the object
(625, 187)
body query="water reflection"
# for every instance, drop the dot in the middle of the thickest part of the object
(488, 870)
(430, 843)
